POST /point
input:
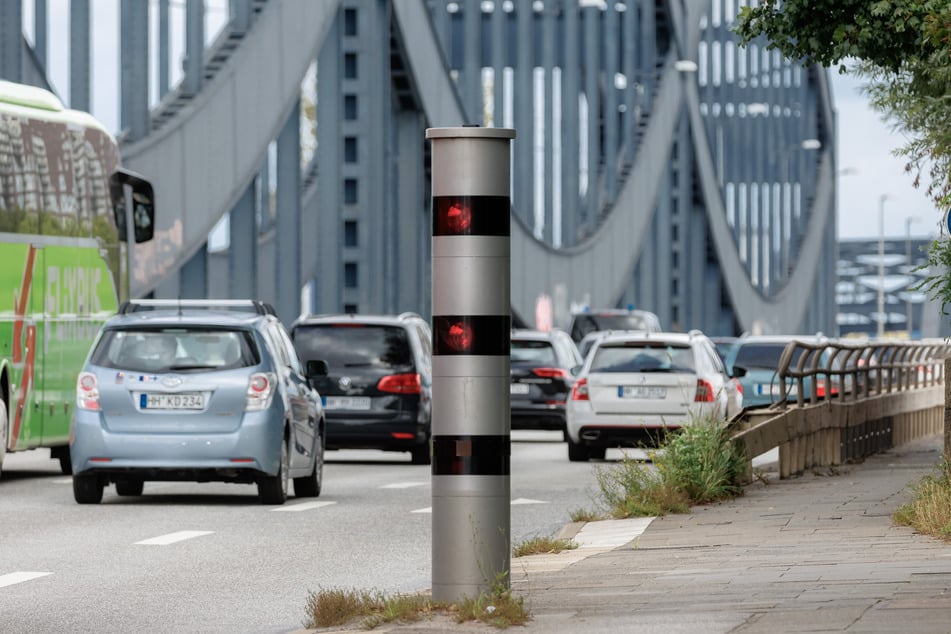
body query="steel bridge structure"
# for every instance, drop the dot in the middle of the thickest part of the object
(656, 164)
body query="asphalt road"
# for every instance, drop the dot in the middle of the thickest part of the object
(209, 558)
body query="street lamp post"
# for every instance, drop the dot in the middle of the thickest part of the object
(881, 265)
(908, 315)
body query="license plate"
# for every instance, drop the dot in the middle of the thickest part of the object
(520, 388)
(773, 389)
(172, 401)
(641, 391)
(347, 402)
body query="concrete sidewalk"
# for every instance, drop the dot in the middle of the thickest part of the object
(817, 553)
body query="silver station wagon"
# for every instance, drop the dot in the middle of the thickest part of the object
(194, 391)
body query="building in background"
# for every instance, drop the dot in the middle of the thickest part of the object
(908, 311)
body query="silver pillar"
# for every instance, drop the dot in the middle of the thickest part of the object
(471, 361)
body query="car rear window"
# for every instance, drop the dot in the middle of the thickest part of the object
(355, 345)
(642, 357)
(585, 323)
(536, 352)
(177, 349)
(763, 355)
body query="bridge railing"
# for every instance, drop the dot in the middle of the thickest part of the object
(851, 400)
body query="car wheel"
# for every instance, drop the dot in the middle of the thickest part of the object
(130, 487)
(597, 453)
(421, 454)
(273, 489)
(87, 489)
(578, 452)
(309, 486)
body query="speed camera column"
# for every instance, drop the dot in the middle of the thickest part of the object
(471, 361)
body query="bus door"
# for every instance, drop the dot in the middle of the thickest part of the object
(26, 266)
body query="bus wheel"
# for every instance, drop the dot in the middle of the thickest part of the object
(62, 454)
(4, 423)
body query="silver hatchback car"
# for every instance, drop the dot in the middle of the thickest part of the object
(189, 391)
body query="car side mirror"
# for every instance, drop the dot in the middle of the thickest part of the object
(317, 368)
(738, 372)
(575, 370)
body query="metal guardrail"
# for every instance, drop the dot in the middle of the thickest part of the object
(851, 400)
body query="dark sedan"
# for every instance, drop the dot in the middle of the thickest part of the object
(544, 365)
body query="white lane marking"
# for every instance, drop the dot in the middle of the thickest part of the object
(611, 533)
(403, 485)
(171, 538)
(303, 506)
(19, 577)
(593, 538)
(428, 509)
(62, 481)
(527, 501)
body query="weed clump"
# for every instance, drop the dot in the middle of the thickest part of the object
(696, 464)
(929, 512)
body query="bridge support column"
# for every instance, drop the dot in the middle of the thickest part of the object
(193, 277)
(79, 75)
(134, 70)
(11, 41)
(287, 237)
(243, 252)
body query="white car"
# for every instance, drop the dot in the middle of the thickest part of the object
(635, 387)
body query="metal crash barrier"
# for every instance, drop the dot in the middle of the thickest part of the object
(840, 401)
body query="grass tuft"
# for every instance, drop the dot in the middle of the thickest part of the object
(695, 465)
(586, 515)
(929, 512)
(542, 545)
(327, 608)
(498, 608)
(336, 607)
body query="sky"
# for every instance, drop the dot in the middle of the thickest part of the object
(868, 168)
(866, 156)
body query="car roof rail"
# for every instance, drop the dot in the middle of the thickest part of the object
(250, 305)
(410, 315)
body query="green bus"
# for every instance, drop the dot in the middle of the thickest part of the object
(62, 229)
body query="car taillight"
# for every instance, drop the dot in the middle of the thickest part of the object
(260, 391)
(580, 390)
(87, 391)
(704, 392)
(400, 383)
(739, 386)
(550, 373)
